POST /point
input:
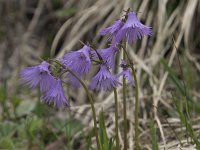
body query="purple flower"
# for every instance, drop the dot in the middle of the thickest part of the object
(46, 82)
(126, 73)
(113, 29)
(55, 95)
(108, 56)
(72, 80)
(39, 74)
(132, 30)
(104, 80)
(79, 62)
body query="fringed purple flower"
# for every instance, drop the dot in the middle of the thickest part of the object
(113, 29)
(55, 95)
(73, 80)
(39, 74)
(126, 73)
(108, 56)
(133, 29)
(46, 82)
(79, 62)
(104, 80)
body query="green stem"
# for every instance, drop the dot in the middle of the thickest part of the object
(136, 110)
(124, 105)
(116, 120)
(90, 99)
(136, 100)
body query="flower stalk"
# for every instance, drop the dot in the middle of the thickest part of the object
(136, 110)
(136, 100)
(116, 120)
(90, 99)
(124, 104)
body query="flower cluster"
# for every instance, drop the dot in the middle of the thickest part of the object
(79, 62)
(51, 87)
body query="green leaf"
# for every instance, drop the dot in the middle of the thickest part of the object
(190, 102)
(154, 136)
(41, 109)
(16, 100)
(7, 129)
(89, 141)
(6, 143)
(25, 108)
(33, 126)
(72, 126)
(102, 131)
(186, 122)
(68, 126)
(111, 143)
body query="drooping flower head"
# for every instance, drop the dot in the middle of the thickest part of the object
(108, 55)
(73, 80)
(79, 62)
(126, 73)
(132, 29)
(104, 80)
(113, 29)
(46, 82)
(36, 75)
(55, 95)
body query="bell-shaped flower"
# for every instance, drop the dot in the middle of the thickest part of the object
(79, 62)
(55, 95)
(47, 80)
(113, 29)
(108, 55)
(36, 75)
(126, 73)
(104, 80)
(132, 30)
